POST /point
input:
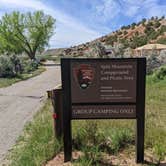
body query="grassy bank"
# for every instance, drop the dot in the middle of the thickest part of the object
(4, 82)
(101, 141)
(37, 143)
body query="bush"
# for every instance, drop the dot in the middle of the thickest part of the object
(30, 66)
(133, 25)
(160, 74)
(157, 24)
(152, 63)
(42, 58)
(111, 40)
(162, 40)
(7, 68)
(162, 29)
(162, 57)
(90, 134)
(120, 33)
(13, 65)
(125, 32)
(159, 149)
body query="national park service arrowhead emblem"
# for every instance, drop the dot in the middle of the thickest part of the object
(84, 75)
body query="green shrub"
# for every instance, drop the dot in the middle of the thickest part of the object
(43, 58)
(90, 134)
(125, 32)
(6, 67)
(162, 40)
(152, 62)
(92, 156)
(37, 144)
(114, 139)
(160, 74)
(120, 33)
(30, 66)
(133, 25)
(111, 40)
(157, 24)
(162, 29)
(79, 138)
(159, 150)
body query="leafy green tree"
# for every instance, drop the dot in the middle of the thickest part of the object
(157, 24)
(163, 17)
(29, 32)
(125, 32)
(152, 18)
(143, 21)
(133, 25)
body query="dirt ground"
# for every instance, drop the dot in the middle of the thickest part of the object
(122, 159)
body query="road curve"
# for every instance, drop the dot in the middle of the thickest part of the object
(19, 102)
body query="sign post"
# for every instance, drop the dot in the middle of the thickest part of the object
(104, 89)
(65, 66)
(140, 110)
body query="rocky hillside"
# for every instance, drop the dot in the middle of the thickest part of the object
(138, 34)
(127, 38)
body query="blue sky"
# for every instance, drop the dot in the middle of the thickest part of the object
(79, 21)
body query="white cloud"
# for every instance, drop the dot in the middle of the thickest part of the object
(69, 30)
(132, 11)
(110, 9)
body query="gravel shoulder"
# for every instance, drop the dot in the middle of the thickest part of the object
(19, 102)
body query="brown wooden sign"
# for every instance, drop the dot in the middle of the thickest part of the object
(103, 81)
(104, 89)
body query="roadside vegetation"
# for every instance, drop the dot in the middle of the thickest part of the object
(22, 36)
(37, 143)
(27, 33)
(4, 82)
(16, 68)
(101, 141)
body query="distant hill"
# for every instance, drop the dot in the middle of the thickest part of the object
(138, 34)
(130, 37)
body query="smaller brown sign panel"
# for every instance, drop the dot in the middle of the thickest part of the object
(103, 111)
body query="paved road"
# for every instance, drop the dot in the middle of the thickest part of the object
(19, 102)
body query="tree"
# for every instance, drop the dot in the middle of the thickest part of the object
(157, 24)
(29, 32)
(133, 25)
(143, 21)
(152, 18)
